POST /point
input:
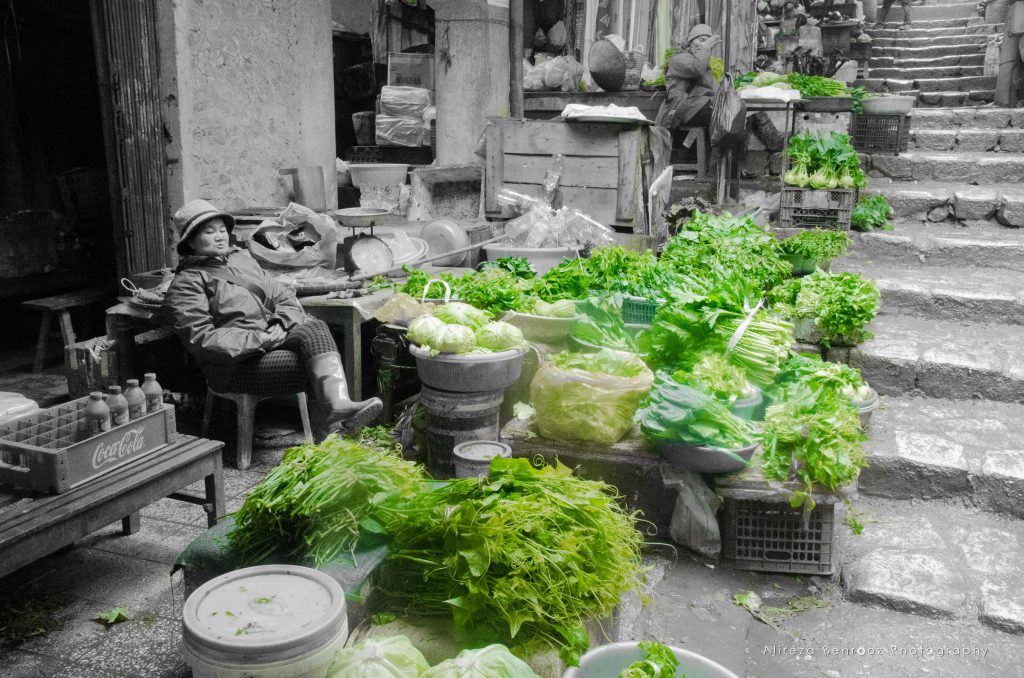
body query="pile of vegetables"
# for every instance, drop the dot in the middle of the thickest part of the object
(524, 557)
(707, 246)
(807, 85)
(589, 397)
(841, 305)
(824, 160)
(397, 657)
(462, 329)
(659, 662)
(675, 412)
(715, 375)
(816, 245)
(871, 213)
(310, 508)
(819, 374)
(600, 324)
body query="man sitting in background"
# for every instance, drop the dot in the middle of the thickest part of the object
(689, 85)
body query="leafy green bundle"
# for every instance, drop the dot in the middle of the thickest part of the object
(312, 506)
(659, 662)
(842, 305)
(824, 160)
(523, 556)
(520, 267)
(714, 374)
(600, 324)
(872, 212)
(816, 244)
(708, 247)
(675, 412)
(819, 374)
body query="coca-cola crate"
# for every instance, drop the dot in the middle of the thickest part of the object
(52, 451)
(809, 208)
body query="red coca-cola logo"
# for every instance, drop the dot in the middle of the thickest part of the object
(130, 443)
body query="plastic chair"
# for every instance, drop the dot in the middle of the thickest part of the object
(246, 404)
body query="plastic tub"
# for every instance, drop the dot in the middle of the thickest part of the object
(456, 418)
(883, 105)
(705, 459)
(746, 408)
(468, 374)
(540, 328)
(607, 661)
(378, 174)
(271, 621)
(865, 408)
(473, 458)
(543, 258)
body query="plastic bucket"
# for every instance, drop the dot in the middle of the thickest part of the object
(454, 418)
(473, 458)
(271, 621)
(747, 407)
(865, 408)
(607, 661)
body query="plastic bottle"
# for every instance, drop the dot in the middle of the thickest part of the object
(97, 414)
(154, 393)
(118, 406)
(553, 176)
(136, 399)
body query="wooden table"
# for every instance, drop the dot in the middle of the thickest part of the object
(32, 525)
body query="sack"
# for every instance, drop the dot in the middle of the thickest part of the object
(581, 405)
(729, 116)
(405, 102)
(322, 253)
(992, 55)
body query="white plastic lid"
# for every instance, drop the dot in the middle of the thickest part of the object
(273, 611)
(481, 450)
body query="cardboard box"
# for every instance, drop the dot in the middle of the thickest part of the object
(91, 365)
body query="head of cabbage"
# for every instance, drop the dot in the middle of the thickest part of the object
(493, 661)
(500, 336)
(389, 657)
(458, 313)
(564, 308)
(435, 335)
(423, 329)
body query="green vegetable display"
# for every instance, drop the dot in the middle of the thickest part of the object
(589, 397)
(678, 413)
(520, 267)
(816, 244)
(569, 280)
(499, 336)
(526, 556)
(494, 291)
(807, 85)
(493, 661)
(871, 213)
(600, 324)
(388, 657)
(311, 507)
(842, 305)
(824, 160)
(659, 662)
(616, 269)
(819, 374)
(715, 375)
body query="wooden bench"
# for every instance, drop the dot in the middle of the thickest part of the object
(33, 526)
(61, 304)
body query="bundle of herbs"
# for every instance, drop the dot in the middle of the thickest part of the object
(715, 375)
(822, 375)
(708, 246)
(675, 412)
(523, 557)
(816, 245)
(841, 305)
(311, 507)
(823, 160)
(871, 213)
(600, 324)
(616, 269)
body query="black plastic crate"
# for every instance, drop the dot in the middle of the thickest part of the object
(410, 155)
(888, 134)
(774, 537)
(810, 208)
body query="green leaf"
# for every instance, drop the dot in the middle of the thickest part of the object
(114, 615)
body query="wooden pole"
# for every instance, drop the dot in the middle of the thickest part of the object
(515, 59)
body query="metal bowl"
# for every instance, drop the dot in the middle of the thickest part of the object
(468, 374)
(360, 217)
(705, 459)
(883, 105)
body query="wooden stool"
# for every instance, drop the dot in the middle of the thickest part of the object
(700, 135)
(62, 303)
(246, 404)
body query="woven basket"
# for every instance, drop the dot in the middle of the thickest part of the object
(996, 11)
(634, 69)
(607, 65)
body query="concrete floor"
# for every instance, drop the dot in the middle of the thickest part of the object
(690, 603)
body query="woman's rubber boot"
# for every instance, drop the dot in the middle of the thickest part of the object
(343, 414)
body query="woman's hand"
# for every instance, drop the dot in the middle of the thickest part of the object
(273, 338)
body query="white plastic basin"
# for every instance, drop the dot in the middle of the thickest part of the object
(378, 174)
(607, 661)
(543, 258)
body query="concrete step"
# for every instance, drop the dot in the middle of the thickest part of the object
(1009, 140)
(931, 51)
(928, 73)
(907, 40)
(982, 244)
(883, 62)
(941, 201)
(931, 12)
(955, 292)
(979, 167)
(975, 118)
(925, 27)
(956, 98)
(931, 448)
(937, 560)
(955, 84)
(941, 359)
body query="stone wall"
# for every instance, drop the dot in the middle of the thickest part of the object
(354, 15)
(255, 94)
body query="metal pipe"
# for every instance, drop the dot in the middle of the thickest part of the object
(515, 59)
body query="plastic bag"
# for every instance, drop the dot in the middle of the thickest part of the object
(14, 405)
(578, 404)
(563, 73)
(391, 657)
(533, 77)
(405, 102)
(324, 252)
(401, 310)
(493, 661)
(729, 116)
(400, 131)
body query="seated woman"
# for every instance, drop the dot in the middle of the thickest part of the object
(248, 331)
(689, 85)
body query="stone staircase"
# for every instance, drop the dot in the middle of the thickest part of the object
(939, 59)
(946, 454)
